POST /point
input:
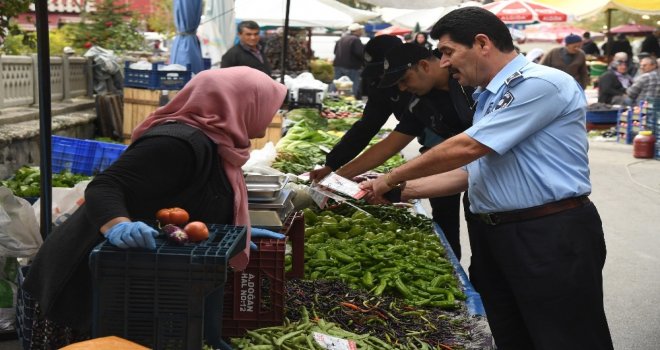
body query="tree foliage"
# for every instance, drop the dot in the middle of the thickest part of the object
(162, 20)
(112, 26)
(8, 10)
(597, 23)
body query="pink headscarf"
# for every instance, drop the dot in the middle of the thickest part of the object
(231, 106)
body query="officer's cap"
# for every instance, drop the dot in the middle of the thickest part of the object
(374, 54)
(399, 59)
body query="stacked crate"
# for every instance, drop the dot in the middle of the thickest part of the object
(146, 90)
(630, 122)
(652, 122)
(273, 133)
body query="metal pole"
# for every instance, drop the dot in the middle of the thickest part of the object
(45, 116)
(610, 39)
(285, 43)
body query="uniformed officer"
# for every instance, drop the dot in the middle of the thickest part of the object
(439, 109)
(537, 241)
(381, 104)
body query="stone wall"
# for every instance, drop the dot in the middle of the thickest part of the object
(19, 142)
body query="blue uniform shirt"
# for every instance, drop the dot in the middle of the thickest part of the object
(533, 118)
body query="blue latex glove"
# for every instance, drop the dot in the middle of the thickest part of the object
(132, 235)
(263, 233)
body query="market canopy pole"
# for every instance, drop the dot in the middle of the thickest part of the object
(609, 35)
(45, 115)
(285, 37)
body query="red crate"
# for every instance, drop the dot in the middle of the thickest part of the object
(294, 228)
(254, 297)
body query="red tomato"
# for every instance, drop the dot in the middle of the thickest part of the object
(197, 231)
(174, 216)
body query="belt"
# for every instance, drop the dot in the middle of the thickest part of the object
(533, 212)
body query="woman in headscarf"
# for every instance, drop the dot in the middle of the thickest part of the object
(186, 154)
(612, 84)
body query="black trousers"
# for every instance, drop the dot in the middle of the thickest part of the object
(541, 281)
(445, 212)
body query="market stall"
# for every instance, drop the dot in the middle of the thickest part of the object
(373, 276)
(382, 284)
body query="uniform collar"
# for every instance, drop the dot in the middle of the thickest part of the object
(504, 75)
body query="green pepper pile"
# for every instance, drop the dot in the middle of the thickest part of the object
(382, 256)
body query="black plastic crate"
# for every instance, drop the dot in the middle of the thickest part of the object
(158, 298)
(35, 332)
(24, 310)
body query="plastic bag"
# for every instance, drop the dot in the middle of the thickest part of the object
(19, 229)
(263, 157)
(343, 83)
(65, 202)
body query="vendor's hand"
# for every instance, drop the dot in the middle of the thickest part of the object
(318, 174)
(263, 233)
(132, 235)
(377, 187)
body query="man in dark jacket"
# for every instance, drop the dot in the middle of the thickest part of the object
(247, 52)
(348, 57)
(651, 44)
(439, 105)
(589, 46)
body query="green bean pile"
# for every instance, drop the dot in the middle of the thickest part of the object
(387, 318)
(300, 335)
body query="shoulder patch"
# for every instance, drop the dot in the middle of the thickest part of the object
(513, 77)
(506, 100)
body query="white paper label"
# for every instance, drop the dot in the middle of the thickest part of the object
(318, 197)
(333, 343)
(343, 185)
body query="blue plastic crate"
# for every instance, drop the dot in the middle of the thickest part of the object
(74, 155)
(603, 117)
(158, 298)
(87, 157)
(106, 154)
(155, 79)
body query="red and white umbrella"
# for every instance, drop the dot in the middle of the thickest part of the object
(555, 33)
(394, 30)
(525, 12)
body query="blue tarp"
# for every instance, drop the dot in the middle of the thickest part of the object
(473, 302)
(186, 48)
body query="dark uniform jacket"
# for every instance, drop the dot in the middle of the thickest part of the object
(240, 56)
(381, 104)
(447, 113)
(190, 177)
